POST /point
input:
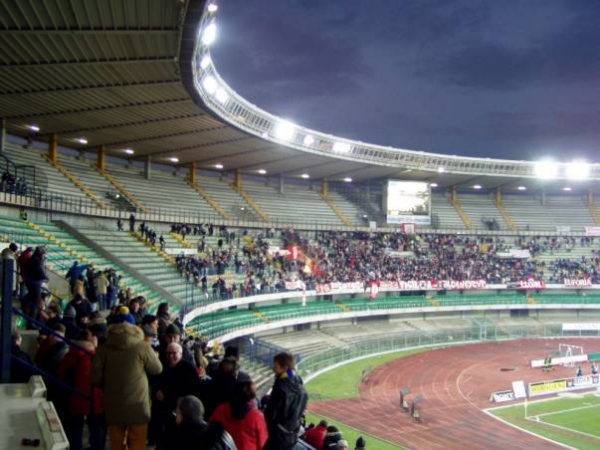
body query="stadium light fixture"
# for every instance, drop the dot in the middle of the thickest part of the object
(308, 140)
(262, 171)
(341, 147)
(129, 151)
(210, 34)
(348, 180)
(567, 188)
(546, 169)
(476, 186)
(522, 188)
(210, 84)
(174, 159)
(212, 8)
(82, 140)
(285, 130)
(305, 176)
(441, 169)
(577, 170)
(34, 128)
(219, 166)
(433, 185)
(221, 95)
(205, 62)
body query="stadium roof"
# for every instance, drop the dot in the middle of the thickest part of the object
(117, 73)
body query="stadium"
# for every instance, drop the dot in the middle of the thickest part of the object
(453, 286)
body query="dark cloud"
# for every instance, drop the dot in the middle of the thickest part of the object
(514, 79)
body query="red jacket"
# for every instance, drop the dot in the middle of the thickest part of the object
(76, 370)
(315, 436)
(249, 433)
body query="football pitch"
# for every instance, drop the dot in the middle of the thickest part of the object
(571, 420)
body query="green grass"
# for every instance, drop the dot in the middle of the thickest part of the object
(569, 420)
(331, 386)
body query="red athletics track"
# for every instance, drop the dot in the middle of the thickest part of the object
(456, 384)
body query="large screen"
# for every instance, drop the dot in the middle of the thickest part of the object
(407, 202)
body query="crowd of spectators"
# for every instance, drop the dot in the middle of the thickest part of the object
(12, 184)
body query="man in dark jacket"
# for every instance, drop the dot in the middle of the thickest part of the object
(286, 404)
(35, 277)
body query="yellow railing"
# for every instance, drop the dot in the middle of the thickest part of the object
(505, 215)
(461, 212)
(123, 191)
(200, 190)
(257, 209)
(336, 209)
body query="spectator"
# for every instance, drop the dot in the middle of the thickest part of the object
(332, 437)
(315, 436)
(342, 444)
(192, 432)
(241, 418)
(360, 444)
(120, 368)
(286, 404)
(18, 372)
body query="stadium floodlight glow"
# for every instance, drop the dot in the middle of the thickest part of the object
(262, 171)
(348, 180)
(305, 176)
(221, 95)
(577, 170)
(308, 140)
(210, 34)
(129, 151)
(433, 185)
(218, 166)
(205, 62)
(476, 186)
(34, 128)
(522, 188)
(210, 84)
(441, 169)
(212, 8)
(546, 169)
(341, 147)
(567, 188)
(284, 130)
(82, 140)
(174, 159)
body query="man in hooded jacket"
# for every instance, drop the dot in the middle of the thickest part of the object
(120, 368)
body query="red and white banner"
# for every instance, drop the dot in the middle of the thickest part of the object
(373, 289)
(592, 231)
(295, 285)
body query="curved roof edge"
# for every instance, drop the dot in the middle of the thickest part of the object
(204, 85)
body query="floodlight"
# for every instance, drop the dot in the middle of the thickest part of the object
(546, 169)
(210, 84)
(284, 130)
(262, 171)
(212, 8)
(305, 176)
(129, 151)
(522, 188)
(82, 140)
(33, 128)
(221, 95)
(577, 170)
(309, 140)
(348, 180)
(476, 186)
(433, 185)
(174, 160)
(218, 166)
(205, 62)
(210, 34)
(341, 147)
(567, 188)
(441, 169)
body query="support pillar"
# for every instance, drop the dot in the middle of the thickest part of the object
(281, 184)
(237, 179)
(53, 148)
(324, 187)
(148, 167)
(101, 160)
(453, 195)
(590, 198)
(498, 196)
(192, 176)
(7, 282)
(543, 197)
(2, 134)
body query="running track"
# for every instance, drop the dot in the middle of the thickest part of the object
(456, 384)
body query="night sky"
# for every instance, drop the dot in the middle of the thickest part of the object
(515, 79)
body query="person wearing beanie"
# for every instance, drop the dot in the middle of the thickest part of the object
(69, 320)
(332, 436)
(360, 444)
(123, 316)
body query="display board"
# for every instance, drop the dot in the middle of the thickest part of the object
(407, 202)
